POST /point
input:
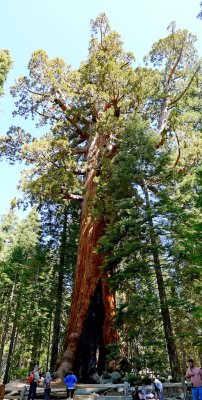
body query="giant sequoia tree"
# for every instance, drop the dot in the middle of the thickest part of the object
(88, 110)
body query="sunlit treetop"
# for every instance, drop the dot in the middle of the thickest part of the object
(5, 65)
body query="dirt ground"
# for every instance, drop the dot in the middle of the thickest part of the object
(18, 385)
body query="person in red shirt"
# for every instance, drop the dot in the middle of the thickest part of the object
(195, 375)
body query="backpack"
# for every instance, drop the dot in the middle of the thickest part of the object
(47, 383)
(31, 378)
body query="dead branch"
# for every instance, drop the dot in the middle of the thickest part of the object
(70, 196)
(174, 101)
(174, 66)
(179, 150)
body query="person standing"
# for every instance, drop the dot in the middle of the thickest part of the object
(143, 391)
(70, 381)
(33, 380)
(157, 388)
(195, 375)
(136, 393)
(47, 385)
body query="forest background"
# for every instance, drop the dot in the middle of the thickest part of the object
(151, 204)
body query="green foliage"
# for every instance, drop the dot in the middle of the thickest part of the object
(5, 65)
(29, 269)
(129, 250)
(19, 373)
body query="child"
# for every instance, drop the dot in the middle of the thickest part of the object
(143, 391)
(47, 385)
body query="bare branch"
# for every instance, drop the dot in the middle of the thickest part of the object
(45, 94)
(174, 101)
(70, 196)
(175, 65)
(80, 150)
(46, 116)
(179, 150)
(77, 171)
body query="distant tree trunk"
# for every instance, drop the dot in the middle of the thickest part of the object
(6, 323)
(167, 324)
(200, 356)
(49, 344)
(90, 328)
(36, 349)
(11, 346)
(59, 294)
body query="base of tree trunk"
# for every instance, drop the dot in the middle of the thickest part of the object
(91, 352)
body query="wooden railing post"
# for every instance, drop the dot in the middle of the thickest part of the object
(2, 391)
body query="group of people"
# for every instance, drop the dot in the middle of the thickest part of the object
(156, 388)
(194, 374)
(33, 379)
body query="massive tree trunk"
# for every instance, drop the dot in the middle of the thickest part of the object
(90, 328)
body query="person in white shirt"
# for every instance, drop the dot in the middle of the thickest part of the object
(33, 384)
(157, 388)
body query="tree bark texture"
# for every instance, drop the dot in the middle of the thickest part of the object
(93, 305)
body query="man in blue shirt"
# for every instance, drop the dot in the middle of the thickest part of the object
(70, 381)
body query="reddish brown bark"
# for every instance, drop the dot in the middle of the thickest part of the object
(88, 272)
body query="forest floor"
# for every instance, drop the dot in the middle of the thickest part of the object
(19, 384)
(14, 387)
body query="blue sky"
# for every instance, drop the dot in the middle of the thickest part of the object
(61, 27)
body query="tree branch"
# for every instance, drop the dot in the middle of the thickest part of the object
(152, 188)
(77, 171)
(45, 94)
(70, 196)
(174, 101)
(174, 66)
(80, 150)
(82, 139)
(179, 151)
(112, 152)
